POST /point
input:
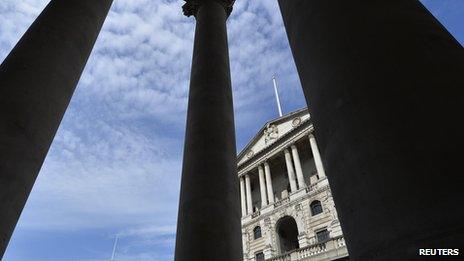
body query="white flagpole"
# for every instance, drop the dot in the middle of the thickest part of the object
(277, 95)
(114, 248)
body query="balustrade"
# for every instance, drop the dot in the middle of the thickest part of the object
(311, 250)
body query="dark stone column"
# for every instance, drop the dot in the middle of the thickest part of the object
(384, 83)
(37, 80)
(208, 226)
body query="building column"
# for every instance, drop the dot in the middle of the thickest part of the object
(317, 156)
(243, 196)
(290, 171)
(377, 75)
(262, 186)
(209, 223)
(298, 169)
(249, 200)
(37, 81)
(270, 189)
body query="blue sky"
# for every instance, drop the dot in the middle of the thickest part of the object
(114, 166)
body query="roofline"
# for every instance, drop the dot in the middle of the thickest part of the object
(258, 134)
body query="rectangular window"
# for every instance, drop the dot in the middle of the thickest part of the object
(322, 235)
(260, 256)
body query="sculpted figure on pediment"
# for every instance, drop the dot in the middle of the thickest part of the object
(271, 133)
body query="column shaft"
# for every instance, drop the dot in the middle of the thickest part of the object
(290, 171)
(377, 74)
(243, 196)
(208, 226)
(262, 186)
(249, 199)
(270, 189)
(298, 168)
(317, 156)
(37, 80)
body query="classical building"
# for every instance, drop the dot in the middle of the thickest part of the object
(287, 208)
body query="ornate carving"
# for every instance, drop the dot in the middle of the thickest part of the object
(329, 206)
(191, 6)
(250, 153)
(267, 221)
(270, 133)
(296, 122)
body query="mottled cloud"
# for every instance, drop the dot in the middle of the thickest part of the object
(116, 160)
(115, 163)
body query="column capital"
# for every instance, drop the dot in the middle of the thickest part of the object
(191, 6)
(311, 135)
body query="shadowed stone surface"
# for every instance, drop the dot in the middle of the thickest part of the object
(383, 80)
(37, 80)
(208, 226)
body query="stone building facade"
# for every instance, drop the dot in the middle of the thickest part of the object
(287, 208)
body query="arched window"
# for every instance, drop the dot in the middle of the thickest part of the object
(257, 232)
(316, 207)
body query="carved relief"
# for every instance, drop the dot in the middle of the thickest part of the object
(250, 153)
(270, 133)
(296, 122)
(191, 6)
(267, 221)
(329, 206)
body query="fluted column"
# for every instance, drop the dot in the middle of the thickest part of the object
(290, 171)
(380, 76)
(243, 196)
(208, 225)
(249, 199)
(37, 81)
(262, 186)
(270, 189)
(317, 156)
(298, 169)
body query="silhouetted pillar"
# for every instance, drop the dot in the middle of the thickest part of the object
(37, 80)
(384, 83)
(208, 226)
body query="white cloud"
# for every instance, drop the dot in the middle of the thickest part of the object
(116, 160)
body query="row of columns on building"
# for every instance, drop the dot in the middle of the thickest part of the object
(265, 180)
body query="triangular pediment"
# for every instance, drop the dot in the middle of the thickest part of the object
(271, 132)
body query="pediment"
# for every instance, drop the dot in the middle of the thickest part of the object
(271, 132)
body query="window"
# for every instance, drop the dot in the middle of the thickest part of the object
(257, 232)
(322, 235)
(260, 256)
(316, 207)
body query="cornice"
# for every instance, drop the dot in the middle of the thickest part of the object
(274, 121)
(191, 6)
(280, 144)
